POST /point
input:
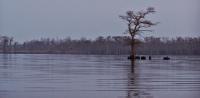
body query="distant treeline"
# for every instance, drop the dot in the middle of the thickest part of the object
(104, 45)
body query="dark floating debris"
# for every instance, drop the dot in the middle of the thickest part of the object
(137, 57)
(166, 58)
(143, 58)
(130, 57)
(149, 57)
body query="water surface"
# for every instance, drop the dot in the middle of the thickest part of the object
(97, 76)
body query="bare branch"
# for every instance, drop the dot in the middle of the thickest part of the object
(147, 30)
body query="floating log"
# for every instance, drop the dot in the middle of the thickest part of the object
(131, 57)
(137, 57)
(166, 58)
(143, 58)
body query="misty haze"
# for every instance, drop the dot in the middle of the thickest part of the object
(99, 49)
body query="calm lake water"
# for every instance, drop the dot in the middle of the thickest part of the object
(93, 76)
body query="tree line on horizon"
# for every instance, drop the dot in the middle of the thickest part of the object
(116, 45)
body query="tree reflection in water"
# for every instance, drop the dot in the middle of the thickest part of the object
(134, 89)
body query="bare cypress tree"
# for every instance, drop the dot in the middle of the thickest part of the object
(137, 23)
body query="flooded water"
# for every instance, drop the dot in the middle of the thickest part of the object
(93, 76)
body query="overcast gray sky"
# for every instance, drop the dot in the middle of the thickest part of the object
(33, 19)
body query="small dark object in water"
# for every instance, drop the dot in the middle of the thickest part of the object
(149, 57)
(143, 58)
(166, 58)
(137, 57)
(130, 57)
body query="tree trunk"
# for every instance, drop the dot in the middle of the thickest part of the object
(133, 53)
